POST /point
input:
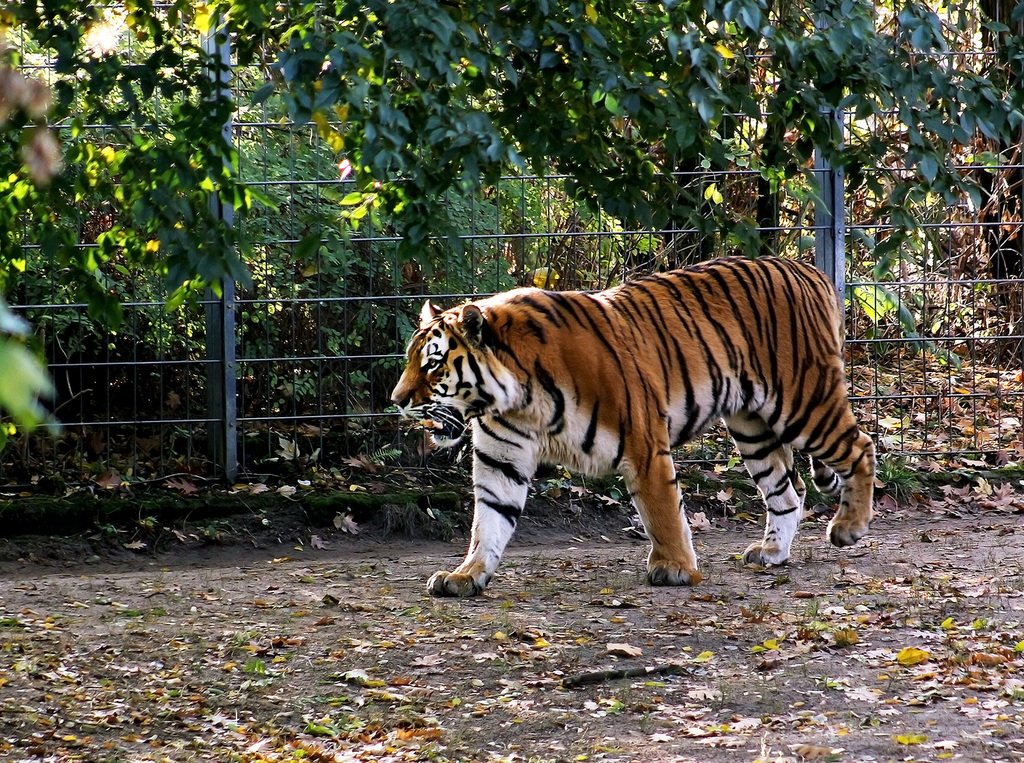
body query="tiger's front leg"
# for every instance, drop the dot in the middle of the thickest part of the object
(659, 502)
(501, 479)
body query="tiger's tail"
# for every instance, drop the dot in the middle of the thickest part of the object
(827, 481)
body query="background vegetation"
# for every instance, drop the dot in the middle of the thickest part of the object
(383, 150)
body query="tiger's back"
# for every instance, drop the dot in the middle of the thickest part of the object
(613, 380)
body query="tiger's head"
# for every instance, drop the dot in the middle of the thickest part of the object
(451, 363)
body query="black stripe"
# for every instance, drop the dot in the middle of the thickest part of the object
(831, 453)
(588, 440)
(548, 383)
(825, 425)
(512, 428)
(541, 305)
(758, 437)
(507, 510)
(495, 436)
(622, 444)
(509, 470)
(760, 453)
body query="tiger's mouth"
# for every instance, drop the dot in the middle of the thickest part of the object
(447, 425)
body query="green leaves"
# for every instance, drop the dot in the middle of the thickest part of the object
(24, 379)
(158, 189)
(432, 97)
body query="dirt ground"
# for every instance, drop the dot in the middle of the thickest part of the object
(906, 647)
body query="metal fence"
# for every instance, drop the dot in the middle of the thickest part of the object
(293, 372)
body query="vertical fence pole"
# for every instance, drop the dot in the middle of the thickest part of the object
(830, 211)
(220, 311)
(830, 215)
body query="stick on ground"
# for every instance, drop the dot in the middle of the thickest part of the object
(615, 674)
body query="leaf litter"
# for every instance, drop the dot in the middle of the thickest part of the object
(900, 648)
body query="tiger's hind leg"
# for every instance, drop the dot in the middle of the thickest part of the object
(770, 463)
(659, 502)
(852, 457)
(844, 456)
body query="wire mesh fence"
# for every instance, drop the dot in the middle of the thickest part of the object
(314, 341)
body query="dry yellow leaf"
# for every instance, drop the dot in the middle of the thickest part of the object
(910, 738)
(911, 655)
(846, 637)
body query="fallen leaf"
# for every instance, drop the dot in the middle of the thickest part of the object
(987, 659)
(427, 735)
(910, 655)
(699, 522)
(846, 637)
(182, 485)
(909, 739)
(110, 479)
(346, 524)
(814, 751)
(428, 661)
(624, 650)
(288, 450)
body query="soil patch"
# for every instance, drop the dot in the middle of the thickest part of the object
(278, 648)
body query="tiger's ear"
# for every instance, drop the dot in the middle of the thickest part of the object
(472, 324)
(428, 312)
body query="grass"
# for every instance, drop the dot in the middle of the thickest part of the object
(899, 477)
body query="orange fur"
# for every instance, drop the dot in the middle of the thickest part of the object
(612, 381)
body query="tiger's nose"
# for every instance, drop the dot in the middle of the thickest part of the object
(401, 396)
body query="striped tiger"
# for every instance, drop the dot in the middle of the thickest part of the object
(612, 381)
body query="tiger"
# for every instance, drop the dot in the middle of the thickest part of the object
(612, 381)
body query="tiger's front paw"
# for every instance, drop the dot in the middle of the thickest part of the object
(765, 555)
(455, 584)
(846, 532)
(664, 572)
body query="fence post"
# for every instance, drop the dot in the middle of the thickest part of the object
(830, 210)
(220, 311)
(830, 214)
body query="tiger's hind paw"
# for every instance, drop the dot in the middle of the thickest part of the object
(846, 532)
(671, 573)
(443, 583)
(765, 555)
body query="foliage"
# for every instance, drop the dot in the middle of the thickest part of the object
(406, 119)
(154, 172)
(424, 96)
(25, 101)
(24, 380)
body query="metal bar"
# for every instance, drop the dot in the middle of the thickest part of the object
(830, 217)
(830, 207)
(220, 311)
